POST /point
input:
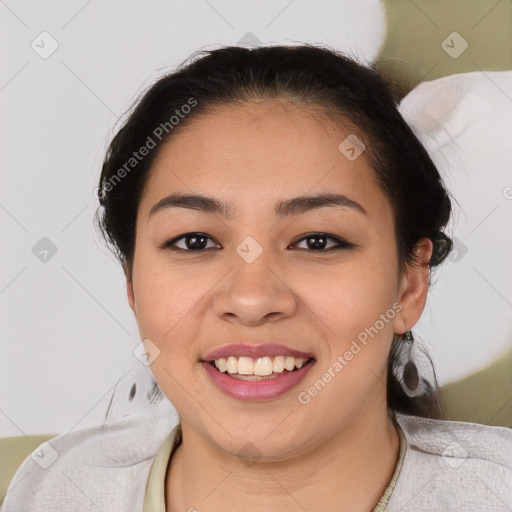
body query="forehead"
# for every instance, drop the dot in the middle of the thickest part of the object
(252, 151)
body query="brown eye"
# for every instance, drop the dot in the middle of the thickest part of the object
(198, 242)
(320, 242)
(189, 242)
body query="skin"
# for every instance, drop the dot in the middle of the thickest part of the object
(339, 451)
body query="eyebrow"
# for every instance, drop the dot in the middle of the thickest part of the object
(283, 208)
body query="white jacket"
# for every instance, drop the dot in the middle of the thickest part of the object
(448, 466)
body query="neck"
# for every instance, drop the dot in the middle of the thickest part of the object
(349, 471)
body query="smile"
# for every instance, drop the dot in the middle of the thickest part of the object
(258, 379)
(262, 366)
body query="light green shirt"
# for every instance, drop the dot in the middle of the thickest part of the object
(154, 500)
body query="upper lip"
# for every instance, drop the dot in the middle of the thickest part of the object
(254, 351)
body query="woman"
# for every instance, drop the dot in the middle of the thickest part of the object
(277, 222)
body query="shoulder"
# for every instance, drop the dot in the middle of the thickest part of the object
(105, 466)
(475, 441)
(452, 465)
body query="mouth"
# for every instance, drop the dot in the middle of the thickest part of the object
(257, 379)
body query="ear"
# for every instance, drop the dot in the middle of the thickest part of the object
(414, 287)
(129, 287)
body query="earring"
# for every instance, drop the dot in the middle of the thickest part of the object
(410, 376)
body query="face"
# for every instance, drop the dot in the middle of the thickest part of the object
(319, 278)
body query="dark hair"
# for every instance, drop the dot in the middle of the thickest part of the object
(341, 89)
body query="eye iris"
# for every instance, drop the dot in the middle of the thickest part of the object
(316, 242)
(196, 242)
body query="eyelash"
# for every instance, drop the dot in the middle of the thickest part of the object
(341, 244)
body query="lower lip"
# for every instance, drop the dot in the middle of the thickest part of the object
(254, 390)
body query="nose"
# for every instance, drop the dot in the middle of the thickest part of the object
(254, 294)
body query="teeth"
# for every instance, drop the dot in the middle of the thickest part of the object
(278, 364)
(261, 367)
(289, 363)
(245, 366)
(231, 365)
(222, 364)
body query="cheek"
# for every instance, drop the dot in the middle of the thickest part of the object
(359, 311)
(351, 297)
(167, 308)
(164, 299)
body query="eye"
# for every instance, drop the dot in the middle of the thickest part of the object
(318, 242)
(197, 242)
(189, 242)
